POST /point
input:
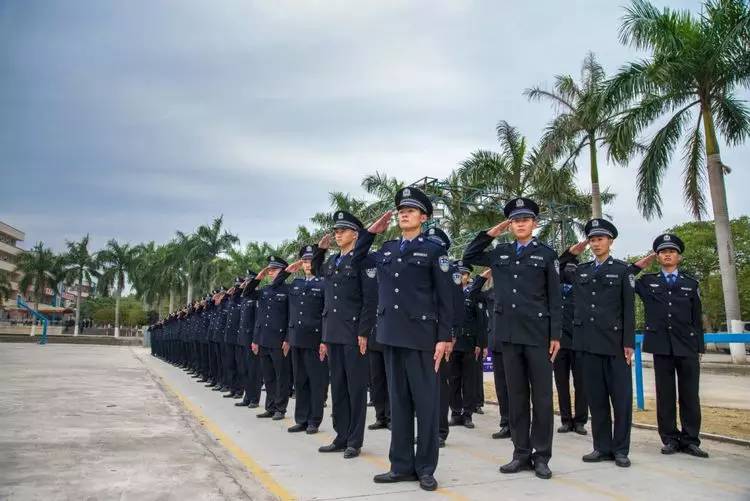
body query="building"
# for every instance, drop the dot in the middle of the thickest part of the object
(9, 252)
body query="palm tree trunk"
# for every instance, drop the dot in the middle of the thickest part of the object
(171, 300)
(189, 289)
(78, 305)
(724, 245)
(117, 313)
(596, 197)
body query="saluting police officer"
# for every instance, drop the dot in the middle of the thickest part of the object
(415, 309)
(570, 357)
(674, 334)
(604, 320)
(231, 332)
(270, 338)
(348, 318)
(469, 342)
(248, 366)
(528, 322)
(306, 304)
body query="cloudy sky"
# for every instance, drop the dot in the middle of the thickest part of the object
(135, 119)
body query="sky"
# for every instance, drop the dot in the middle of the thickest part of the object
(131, 120)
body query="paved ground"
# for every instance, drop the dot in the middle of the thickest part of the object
(61, 441)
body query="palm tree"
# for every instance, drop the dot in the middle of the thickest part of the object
(36, 266)
(202, 250)
(171, 275)
(584, 118)
(695, 65)
(5, 288)
(116, 262)
(80, 265)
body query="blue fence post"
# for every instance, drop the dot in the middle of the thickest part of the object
(639, 373)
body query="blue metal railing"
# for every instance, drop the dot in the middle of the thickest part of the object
(712, 337)
(45, 321)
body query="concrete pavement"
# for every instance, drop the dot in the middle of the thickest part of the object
(287, 466)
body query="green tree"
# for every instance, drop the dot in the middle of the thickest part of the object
(116, 262)
(583, 121)
(202, 252)
(80, 265)
(695, 65)
(36, 265)
(5, 288)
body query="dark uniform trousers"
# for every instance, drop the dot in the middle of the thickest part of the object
(215, 359)
(444, 374)
(249, 374)
(349, 375)
(609, 381)
(479, 382)
(310, 379)
(464, 397)
(239, 375)
(526, 365)
(230, 370)
(687, 370)
(413, 387)
(379, 386)
(501, 387)
(568, 361)
(276, 368)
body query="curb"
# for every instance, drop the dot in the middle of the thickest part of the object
(715, 368)
(81, 339)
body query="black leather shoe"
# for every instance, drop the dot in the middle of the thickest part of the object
(278, 416)
(427, 483)
(390, 478)
(694, 450)
(267, 414)
(503, 433)
(468, 423)
(622, 460)
(456, 421)
(253, 405)
(297, 428)
(228, 395)
(378, 425)
(565, 428)
(479, 411)
(515, 466)
(332, 447)
(596, 457)
(210, 384)
(441, 442)
(311, 430)
(238, 395)
(542, 470)
(203, 380)
(218, 388)
(580, 429)
(241, 404)
(350, 453)
(670, 448)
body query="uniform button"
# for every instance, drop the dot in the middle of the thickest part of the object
(514, 291)
(513, 306)
(593, 306)
(395, 275)
(515, 276)
(395, 290)
(669, 315)
(334, 310)
(335, 285)
(299, 321)
(518, 262)
(670, 304)
(593, 293)
(395, 307)
(692, 334)
(615, 327)
(670, 293)
(335, 297)
(354, 319)
(424, 317)
(670, 327)
(591, 319)
(594, 280)
(301, 302)
(399, 260)
(540, 314)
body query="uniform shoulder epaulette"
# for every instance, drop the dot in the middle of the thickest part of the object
(543, 244)
(685, 275)
(587, 263)
(621, 262)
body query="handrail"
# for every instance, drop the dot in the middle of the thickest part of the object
(45, 321)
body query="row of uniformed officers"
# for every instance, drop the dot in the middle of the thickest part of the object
(412, 325)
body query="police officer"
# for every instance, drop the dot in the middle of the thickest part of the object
(415, 309)
(674, 334)
(249, 363)
(231, 332)
(348, 318)
(469, 341)
(306, 303)
(527, 307)
(570, 357)
(270, 338)
(604, 320)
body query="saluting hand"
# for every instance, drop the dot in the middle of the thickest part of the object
(578, 248)
(294, 267)
(486, 274)
(646, 261)
(498, 229)
(381, 224)
(325, 242)
(262, 274)
(554, 347)
(362, 341)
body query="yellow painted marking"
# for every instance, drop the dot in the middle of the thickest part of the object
(243, 457)
(587, 487)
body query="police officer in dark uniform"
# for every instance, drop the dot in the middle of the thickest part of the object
(527, 307)
(470, 339)
(249, 364)
(604, 320)
(415, 309)
(348, 318)
(570, 357)
(270, 338)
(231, 332)
(306, 303)
(674, 334)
